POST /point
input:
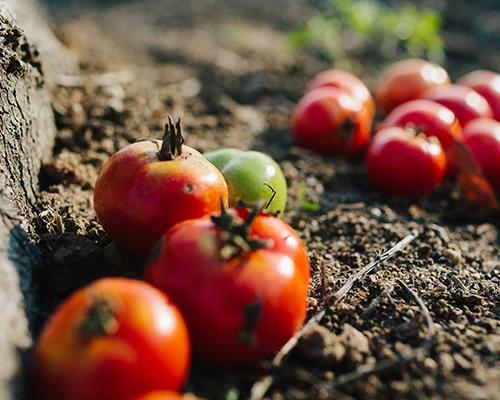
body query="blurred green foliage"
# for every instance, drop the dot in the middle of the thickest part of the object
(350, 26)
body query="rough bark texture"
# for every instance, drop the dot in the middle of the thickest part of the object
(26, 136)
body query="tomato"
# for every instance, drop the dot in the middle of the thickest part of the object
(252, 178)
(482, 137)
(112, 340)
(162, 395)
(240, 279)
(149, 186)
(465, 103)
(331, 122)
(432, 119)
(345, 81)
(408, 80)
(400, 163)
(487, 84)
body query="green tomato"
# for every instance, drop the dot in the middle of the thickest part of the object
(251, 177)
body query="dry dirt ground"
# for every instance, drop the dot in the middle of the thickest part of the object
(225, 69)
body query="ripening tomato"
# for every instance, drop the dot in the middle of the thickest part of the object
(252, 177)
(432, 119)
(114, 339)
(400, 163)
(345, 81)
(240, 279)
(482, 137)
(407, 80)
(465, 103)
(149, 186)
(163, 395)
(487, 84)
(331, 122)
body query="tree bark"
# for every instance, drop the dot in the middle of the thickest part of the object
(26, 136)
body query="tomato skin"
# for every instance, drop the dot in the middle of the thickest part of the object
(407, 80)
(165, 395)
(247, 174)
(487, 84)
(345, 81)
(331, 122)
(399, 163)
(433, 119)
(148, 350)
(482, 137)
(138, 197)
(273, 278)
(465, 103)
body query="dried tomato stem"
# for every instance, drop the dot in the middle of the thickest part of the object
(172, 140)
(99, 320)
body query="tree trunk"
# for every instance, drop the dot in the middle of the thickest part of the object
(26, 136)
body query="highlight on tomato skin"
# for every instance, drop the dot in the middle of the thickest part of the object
(400, 163)
(465, 103)
(146, 188)
(482, 137)
(330, 121)
(251, 275)
(408, 80)
(487, 84)
(346, 81)
(114, 339)
(431, 119)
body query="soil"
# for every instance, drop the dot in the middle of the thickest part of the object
(225, 69)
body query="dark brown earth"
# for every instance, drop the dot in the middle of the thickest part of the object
(225, 69)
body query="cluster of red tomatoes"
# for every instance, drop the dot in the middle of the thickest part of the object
(226, 284)
(428, 122)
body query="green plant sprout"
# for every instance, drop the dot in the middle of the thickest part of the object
(303, 202)
(371, 28)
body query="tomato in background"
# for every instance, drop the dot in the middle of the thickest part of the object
(112, 340)
(401, 163)
(408, 80)
(487, 84)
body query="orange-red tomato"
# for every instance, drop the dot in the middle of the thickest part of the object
(432, 119)
(487, 84)
(143, 190)
(482, 137)
(345, 81)
(408, 80)
(112, 340)
(330, 121)
(164, 395)
(465, 103)
(400, 163)
(243, 289)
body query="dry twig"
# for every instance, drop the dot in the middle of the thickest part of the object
(260, 388)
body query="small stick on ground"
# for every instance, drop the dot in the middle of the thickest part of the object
(395, 363)
(260, 388)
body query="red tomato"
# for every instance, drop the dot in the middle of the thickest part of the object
(487, 84)
(161, 395)
(345, 81)
(432, 119)
(465, 103)
(482, 137)
(242, 289)
(408, 80)
(401, 163)
(112, 340)
(143, 190)
(331, 122)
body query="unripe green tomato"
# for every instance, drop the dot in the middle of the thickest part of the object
(250, 175)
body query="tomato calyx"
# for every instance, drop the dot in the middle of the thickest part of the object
(251, 317)
(100, 319)
(235, 233)
(172, 141)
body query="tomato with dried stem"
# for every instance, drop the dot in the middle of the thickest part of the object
(240, 278)
(149, 186)
(114, 339)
